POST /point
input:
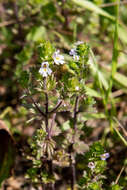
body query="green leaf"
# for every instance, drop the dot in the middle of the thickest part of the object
(66, 125)
(94, 67)
(114, 55)
(122, 34)
(36, 34)
(116, 187)
(92, 7)
(87, 116)
(121, 79)
(92, 92)
(94, 186)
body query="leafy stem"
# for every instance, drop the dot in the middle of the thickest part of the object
(35, 104)
(75, 117)
(75, 112)
(46, 110)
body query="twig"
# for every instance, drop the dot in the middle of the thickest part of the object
(118, 177)
(122, 51)
(117, 93)
(120, 136)
(6, 23)
(56, 107)
(112, 4)
(37, 107)
(121, 126)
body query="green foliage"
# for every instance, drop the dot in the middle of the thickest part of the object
(24, 79)
(36, 34)
(45, 51)
(116, 187)
(30, 34)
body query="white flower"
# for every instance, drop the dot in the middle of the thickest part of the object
(91, 165)
(58, 58)
(45, 70)
(105, 156)
(77, 88)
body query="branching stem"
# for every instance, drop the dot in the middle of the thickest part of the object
(56, 107)
(35, 104)
(46, 115)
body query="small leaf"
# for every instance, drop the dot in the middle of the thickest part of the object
(66, 125)
(36, 34)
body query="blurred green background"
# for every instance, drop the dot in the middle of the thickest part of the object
(25, 23)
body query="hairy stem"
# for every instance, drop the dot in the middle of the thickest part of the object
(46, 115)
(52, 123)
(73, 182)
(46, 109)
(75, 117)
(48, 130)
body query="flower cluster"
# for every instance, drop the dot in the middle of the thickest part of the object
(74, 52)
(104, 156)
(57, 58)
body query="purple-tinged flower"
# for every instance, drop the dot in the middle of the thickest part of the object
(73, 52)
(91, 165)
(105, 156)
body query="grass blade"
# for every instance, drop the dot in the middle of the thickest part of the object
(92, 7)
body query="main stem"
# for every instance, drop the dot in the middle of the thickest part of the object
(75, 117)
(46, 115)
(47, 125)
(46, 109)
(73, 141)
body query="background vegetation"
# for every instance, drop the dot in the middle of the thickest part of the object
(100, 23)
